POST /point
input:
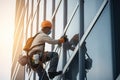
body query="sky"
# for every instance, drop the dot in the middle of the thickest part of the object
(7, 14)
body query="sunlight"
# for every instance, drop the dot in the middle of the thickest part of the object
(7, 8)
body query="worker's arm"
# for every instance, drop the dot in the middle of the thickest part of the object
(49, 40)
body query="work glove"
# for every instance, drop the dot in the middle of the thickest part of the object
(63, 39)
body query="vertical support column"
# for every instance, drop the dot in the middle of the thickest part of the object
(115, 18)
(27, 12)
(37, 23)
(64, 24)
(32, 6)
(31, 17)
(81, 32)
(34, 75)
(44, 12)
(27, 19)
(53, 22)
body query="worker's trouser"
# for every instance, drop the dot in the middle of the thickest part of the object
(53, 57)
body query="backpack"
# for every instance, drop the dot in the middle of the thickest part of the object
(29, 43)
(23, 60)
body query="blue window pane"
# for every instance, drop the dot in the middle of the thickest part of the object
(72, 30)
(48, 9)
(99, 48)
(98, 45)
(90, 9)
(71, 5)
(59, 22)
(59, 29)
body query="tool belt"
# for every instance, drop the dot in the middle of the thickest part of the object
(42, 59)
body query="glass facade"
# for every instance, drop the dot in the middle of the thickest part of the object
(97, 35)
(100, 48)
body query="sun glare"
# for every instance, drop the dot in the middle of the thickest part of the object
(7, 8)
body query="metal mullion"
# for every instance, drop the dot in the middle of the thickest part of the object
(64, 24)
(37, 26)
(31, 28)
(30, 75)
(19, 38)
(53, 17)
(18, 10)
(16, 50)
(14, 72)
(19, 6)
(31, 19)
(31, 24)
(21, 16)
(86, 33)
(25, 30)
(34, 75)
(53, 22)
(44, 12)
(71, 18)
(81, 57)
(21, 34)
(56, 10)
(66, 27)
(27, 16)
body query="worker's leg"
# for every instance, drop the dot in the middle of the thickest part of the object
(53, 56)
(42, 73)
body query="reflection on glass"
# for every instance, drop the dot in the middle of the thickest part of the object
(99, 47)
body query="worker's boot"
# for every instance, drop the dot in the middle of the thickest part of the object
(53, 74)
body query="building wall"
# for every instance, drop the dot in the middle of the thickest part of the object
(66, 13)
(100, 47)
(18, 73)
(98, 43)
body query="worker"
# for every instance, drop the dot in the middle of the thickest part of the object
(39, 55)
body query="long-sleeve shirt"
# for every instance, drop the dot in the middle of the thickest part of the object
(41, 38)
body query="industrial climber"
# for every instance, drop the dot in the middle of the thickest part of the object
(39, 56)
